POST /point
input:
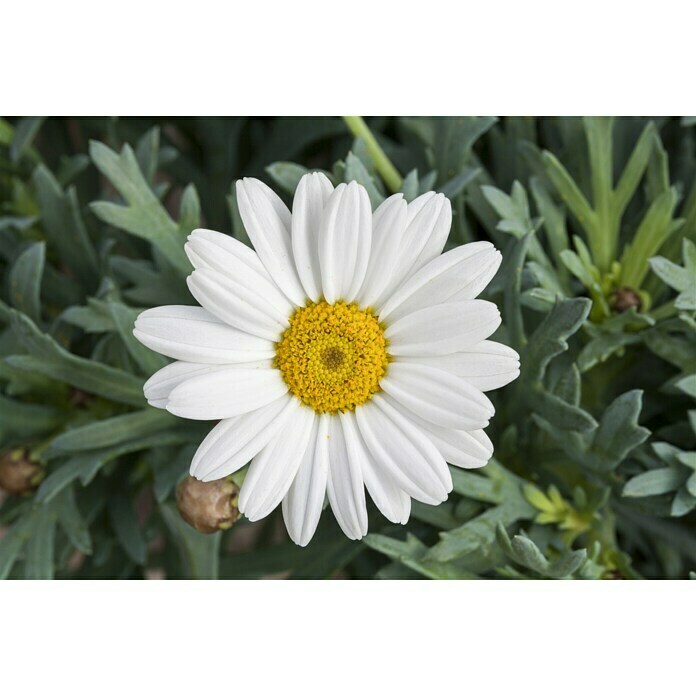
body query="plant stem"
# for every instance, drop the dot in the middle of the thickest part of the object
(383, 164)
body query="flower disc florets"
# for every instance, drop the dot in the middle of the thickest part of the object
(332, 356)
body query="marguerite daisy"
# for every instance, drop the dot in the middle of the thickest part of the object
(344, 354)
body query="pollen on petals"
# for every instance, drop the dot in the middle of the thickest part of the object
(333, 356)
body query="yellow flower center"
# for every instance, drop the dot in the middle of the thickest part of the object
(332, 357)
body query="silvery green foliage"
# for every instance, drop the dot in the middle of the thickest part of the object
(594, 474)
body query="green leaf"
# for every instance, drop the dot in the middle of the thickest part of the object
(479, 532)
(71, 521)
(65, 229)
(478, 487)
(189, 211)
(649, 237)
(200, 552)
(12, 543)
(453, 139)
(678, 351)
(124, 319)
(513, 209)
(654, 482)
(618, 433)
(356, 171)
(456, 184)
(286, 175)
(412, 554)
(513, 283)
(112, 431)
(324, 557)
(684, 502)
(147, 152)
(40, 545)
(238, 230)
(604, 346)
(21, 420)
(143, 215)
(688, 385)
(92, 318)
(681, 279)
(409, 186)
(527, 553)
(568, 387)
(554, 220)
(86, 466)
(568, 191)
(569, 564)
(24, 134)
(25, 280)
(50, 359)
(635, 168)
(168, 468)
(549, 340)
(58, 480)
(561, 414)
(125, 524)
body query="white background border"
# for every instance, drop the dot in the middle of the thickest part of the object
(312, 57)
(371, 57)
(347, 637)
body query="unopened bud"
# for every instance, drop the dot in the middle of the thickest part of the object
(79, 398)
(20, 472)
(208, 507)
(624, 298)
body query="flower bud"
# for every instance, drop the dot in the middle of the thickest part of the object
(624, 298)
(20, 471)
(208, 507)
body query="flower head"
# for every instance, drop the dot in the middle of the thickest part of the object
(345, 354)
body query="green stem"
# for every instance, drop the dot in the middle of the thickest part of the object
(383, 164)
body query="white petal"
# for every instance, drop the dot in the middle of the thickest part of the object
(345, 483)
(238, 263)
(442, 329)
(238, 304)
(429, 218)
(437, 230)
(487, 365)
(226, 393)
(391, 501)
(344, 242)
(459, 274)
(160, 385)
(193, 334)
(403, 450)
(273, 469)
(304, 501)
(468, 450)
(234, 441)
(438, 396)
(388, 225)
(311, 196)
(267, 222)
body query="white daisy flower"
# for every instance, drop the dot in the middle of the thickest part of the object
(345, 353)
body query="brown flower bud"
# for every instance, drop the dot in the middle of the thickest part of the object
(208, 507)
(79, 398)
(624, 298)
(20, 472)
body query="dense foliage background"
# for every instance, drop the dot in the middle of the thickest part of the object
(594, 473)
